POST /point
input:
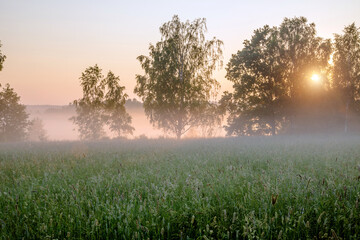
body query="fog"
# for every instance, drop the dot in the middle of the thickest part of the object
(58, 127)
(312, 117)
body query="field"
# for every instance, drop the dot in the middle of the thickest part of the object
(235, 188)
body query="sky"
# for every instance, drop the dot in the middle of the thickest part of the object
(49, 44)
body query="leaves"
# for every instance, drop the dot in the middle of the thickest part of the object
(13, 117)
(103, 103)
(177, 85)
(346, 71)
(270, 74)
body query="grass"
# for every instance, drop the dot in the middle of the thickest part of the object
(236, 188)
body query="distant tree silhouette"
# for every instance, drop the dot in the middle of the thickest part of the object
(2, 58)
(13, 117)
(346, 71)
(177, 85)
(102, 104)
(36, 131)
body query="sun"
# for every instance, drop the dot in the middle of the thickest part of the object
(315, 78)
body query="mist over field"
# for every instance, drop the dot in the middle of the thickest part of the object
(58, 125)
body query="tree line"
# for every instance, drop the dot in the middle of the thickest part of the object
(273, 91)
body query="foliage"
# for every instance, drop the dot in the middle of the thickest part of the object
(102, 104)
(303, 52)
(36, 131)
(245, 188)
(178, 83)
(259, 89)
(346, 71)
(271, 75)
(13, 117)
(2, 58)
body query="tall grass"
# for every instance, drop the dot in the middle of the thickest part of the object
(236, 188)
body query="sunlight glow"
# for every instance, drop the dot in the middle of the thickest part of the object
(315, 78)
(331, 60)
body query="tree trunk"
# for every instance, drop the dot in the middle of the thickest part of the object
(273, 121)
(273, 128)
(178, 135)
(181, 112)
(346, 117)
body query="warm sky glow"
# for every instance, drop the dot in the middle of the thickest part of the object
(49, 43)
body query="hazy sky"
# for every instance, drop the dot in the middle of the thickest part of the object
(49, 43)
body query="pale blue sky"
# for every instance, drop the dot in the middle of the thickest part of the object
(49, 43)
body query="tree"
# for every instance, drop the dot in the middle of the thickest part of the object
(13, 117)
(304, 53)
(102, 104)
(36, 131)
(270, 76)
(259, 91)
(114, 103)
(2, 58)
(177, 85)
(346, 71)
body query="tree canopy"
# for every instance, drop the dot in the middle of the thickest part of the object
(13, 117)
(271, 75)
(259, 90)
(178, 82)
(102, 105)
(346, 71)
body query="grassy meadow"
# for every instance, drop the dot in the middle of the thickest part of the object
(233, 188)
